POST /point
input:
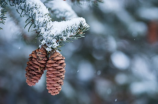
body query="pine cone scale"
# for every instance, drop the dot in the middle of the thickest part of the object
(55, 73)
(35, 66)
(55, 67)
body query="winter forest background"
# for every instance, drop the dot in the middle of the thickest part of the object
(116, 62)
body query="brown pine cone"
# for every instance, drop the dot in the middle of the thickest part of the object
(55, 73)
(36, 66)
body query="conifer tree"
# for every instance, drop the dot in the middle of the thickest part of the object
(52, 34)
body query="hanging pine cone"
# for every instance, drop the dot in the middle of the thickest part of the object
(55, 73)
(36, 66)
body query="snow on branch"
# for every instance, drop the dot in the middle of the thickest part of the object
(52, 33)
(64, 31)
(61, 9)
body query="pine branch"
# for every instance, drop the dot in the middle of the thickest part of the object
(62, 12)
(64, 31)
(3, 12)
(52, 32)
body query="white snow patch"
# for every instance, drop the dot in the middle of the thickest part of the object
(148, 13)
(97, 27)
(140, 68)
(59, 27)
(61, 9)
(143, 87)
(138, 28)
(120, 60)
(117, 7)
(111, 5)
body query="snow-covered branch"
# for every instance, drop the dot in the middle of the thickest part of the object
(60, 9)
(52, 33)
(63, 31)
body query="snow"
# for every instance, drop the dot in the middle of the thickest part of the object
(148, 13)
(52, 30)
(97, 27)
(138, 28)
(147, 81)
(117, 7)
(42, 8)
(64, 10)
(140, 67)
(111, 5)
(143, 87)
(65, 29)
(120, 60)
(59, 27)
(84, 4)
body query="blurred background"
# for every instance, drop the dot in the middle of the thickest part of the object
(116, 62)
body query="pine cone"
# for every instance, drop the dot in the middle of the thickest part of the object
(36, 66)
(55, 73)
